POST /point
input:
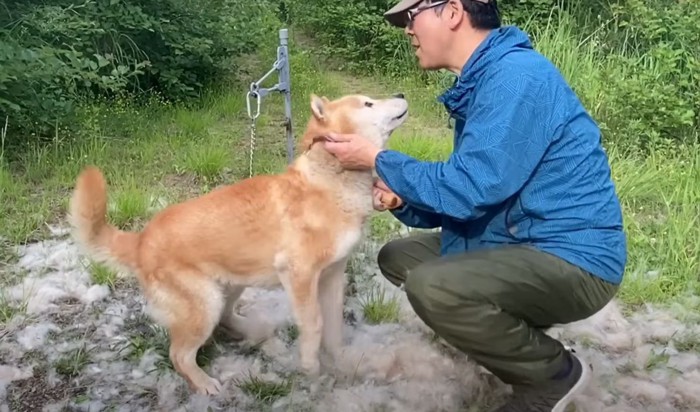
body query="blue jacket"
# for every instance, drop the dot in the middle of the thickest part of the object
(527, 166)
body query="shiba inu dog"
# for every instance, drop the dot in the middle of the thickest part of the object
(295, 229)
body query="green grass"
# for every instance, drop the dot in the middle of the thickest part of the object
(161, 154)
(661, 201)
(8, 309)
(207, 162)
(379, 306)
(688, 342)
(130, 203)
(264, 392)
(657, 359)
(73, 362)
(102, 275)
(147, 336)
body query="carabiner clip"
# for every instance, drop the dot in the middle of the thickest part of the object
(247, 98)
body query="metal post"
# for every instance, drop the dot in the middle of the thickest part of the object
(283, 85)
(286, 88)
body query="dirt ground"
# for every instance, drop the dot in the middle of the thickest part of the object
(75, 345)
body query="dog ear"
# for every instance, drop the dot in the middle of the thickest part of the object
(318, 107)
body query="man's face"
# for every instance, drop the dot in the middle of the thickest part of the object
(429, 35)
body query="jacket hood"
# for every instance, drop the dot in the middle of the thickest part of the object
(498, 43)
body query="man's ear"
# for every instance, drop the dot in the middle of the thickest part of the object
(456, 13)
(318, 107)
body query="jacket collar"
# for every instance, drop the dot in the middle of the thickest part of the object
(497, 43)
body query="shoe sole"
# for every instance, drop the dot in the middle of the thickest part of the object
(582, 382)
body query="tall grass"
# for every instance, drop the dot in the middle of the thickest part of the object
(661, 199)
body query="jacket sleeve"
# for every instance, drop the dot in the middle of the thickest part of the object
(503, 141)
(417, 218)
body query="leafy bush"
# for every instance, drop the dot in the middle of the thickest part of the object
(654, 75)
(54, 53)
(353, 32)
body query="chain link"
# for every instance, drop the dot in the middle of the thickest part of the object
(253, 117)
(252, 147)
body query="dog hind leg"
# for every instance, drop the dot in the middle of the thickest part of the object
(190, 314)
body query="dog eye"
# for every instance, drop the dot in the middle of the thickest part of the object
(369, 104)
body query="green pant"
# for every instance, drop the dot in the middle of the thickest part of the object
(493, 304)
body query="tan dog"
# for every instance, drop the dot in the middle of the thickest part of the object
(296, 228)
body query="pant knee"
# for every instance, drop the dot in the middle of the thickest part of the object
(435, 296)
(389, 264)
(420, 288)
(415, 285)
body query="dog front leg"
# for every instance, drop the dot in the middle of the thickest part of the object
(302, 288)
(331, 294)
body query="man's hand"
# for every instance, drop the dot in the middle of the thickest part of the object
(353, 151)
(383, 197)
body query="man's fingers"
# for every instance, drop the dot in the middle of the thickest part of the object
(332, 146)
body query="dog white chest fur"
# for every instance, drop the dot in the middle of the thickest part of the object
(345, 243)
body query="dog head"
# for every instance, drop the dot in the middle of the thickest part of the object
(372, 119)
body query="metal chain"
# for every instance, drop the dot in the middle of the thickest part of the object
(252, 148)
(252, 126)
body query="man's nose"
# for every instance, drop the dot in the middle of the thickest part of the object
(398, 95)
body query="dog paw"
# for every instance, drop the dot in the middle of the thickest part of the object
(209, 386)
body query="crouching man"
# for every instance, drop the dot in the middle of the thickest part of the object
(531, 229)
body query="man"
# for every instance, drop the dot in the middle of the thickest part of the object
(531, 227)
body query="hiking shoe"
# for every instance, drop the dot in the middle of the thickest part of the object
(553, 396)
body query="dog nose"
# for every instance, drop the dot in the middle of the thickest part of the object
(398, 95)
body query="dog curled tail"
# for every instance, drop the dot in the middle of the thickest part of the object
(87, 215)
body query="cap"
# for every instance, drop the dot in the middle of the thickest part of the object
(396, 15)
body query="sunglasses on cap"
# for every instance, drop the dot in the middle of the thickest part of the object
(412, 13)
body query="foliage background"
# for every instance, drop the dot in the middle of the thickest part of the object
(57, 54)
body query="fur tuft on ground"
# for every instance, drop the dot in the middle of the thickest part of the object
(75, 337)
